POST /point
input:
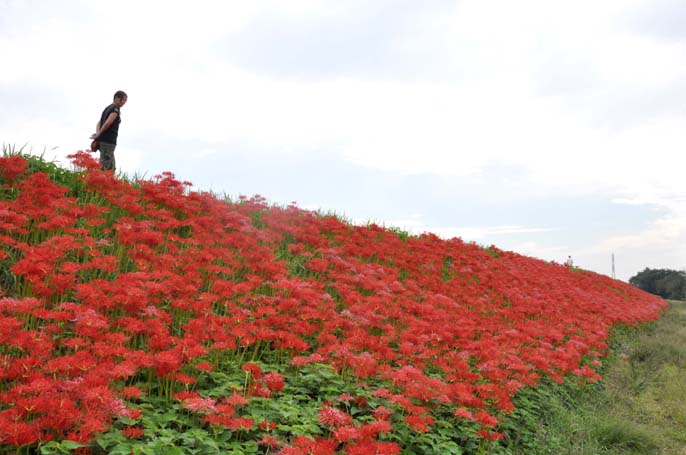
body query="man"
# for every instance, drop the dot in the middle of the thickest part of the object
(107, 131)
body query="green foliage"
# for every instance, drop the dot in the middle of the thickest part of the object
(256, 218)
(169, 428)
(66, 446)
(401, 233)
(492, 251)
(333, 214)
(619, 434)
(636, 409)
(446, 274)
(668, 284)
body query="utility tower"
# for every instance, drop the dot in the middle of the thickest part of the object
(613, 266)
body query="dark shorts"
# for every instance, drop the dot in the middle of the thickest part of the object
(107, 162)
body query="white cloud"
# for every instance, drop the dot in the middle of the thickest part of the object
(534, 249)
(491, 234)
(415, 224)
(664, 233)
(660, 245)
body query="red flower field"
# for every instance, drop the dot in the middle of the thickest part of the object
(113, 293)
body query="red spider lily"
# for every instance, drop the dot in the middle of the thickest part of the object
(232, 423)
(486, 419)
(300, 361)
(382, 413)
(19, 433)
(156, 277)
(419, 423)
(132, 392)
(373, 429)
(226, 409)
(464, 414)
(199, 404)
(183, 378)
(270, 441)
(274, 381)
(167, 362)
(490, 435)
(12, 167)
(204, 366)
(373, 448)
(305, 446)
(345, 398)
(84, 160)
(132, 432)
(252, 369)
(334, 417)
(347, 433)
(267, 425)
(237, 400)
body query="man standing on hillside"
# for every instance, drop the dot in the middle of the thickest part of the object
(107, 130)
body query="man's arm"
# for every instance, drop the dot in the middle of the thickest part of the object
(110, 120)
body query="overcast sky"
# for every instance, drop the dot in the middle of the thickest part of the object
(551, 128)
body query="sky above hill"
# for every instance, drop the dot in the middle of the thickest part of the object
(545, 127)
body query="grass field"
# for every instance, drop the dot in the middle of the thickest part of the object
(639, 406)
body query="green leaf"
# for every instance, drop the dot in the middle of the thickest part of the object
(61, 447)
(121, 449)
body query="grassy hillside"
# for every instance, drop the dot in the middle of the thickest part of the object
(144, 317)
(638, 407)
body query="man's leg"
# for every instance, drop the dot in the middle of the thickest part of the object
(107, 156)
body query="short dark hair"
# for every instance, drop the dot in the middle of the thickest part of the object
(119, 94)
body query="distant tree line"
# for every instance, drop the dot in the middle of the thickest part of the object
(668, 284)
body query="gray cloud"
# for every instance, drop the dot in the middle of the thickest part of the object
(365, 41)
(665, 19)
(23, 16)
(602, 105)
(575, 79)
(629, 108)
(28, 99)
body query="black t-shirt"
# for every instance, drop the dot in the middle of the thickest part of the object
(110, 135)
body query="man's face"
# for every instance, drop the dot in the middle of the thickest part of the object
(120, 101)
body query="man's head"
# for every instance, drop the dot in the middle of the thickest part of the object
(120, 98)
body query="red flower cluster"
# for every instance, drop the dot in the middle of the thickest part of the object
(122, 278)
(12, 166)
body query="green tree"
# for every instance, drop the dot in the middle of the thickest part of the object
(668, 284)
